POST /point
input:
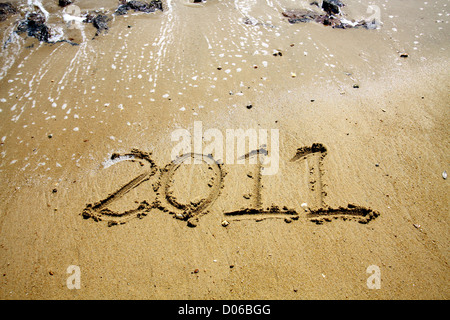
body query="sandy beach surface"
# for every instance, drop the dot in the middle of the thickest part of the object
(340, 191)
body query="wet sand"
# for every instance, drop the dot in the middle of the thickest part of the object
(382, 119)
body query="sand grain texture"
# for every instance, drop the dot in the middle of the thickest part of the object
(381, 119)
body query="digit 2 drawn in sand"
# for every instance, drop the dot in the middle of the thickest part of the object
(99, 211)
(191, 211)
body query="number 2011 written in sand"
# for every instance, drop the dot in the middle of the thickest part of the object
(191, 211)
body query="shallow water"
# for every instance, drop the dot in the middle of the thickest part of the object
(189, 62)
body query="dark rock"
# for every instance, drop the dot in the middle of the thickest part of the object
(332, 6)
(157, 4)
(100, 22)
(88, 18)
(139, 6)
(6, 9)
(332, 16)
(121, 10)
(35, 26)
(295, 16)
(63, 3)
(328, 20)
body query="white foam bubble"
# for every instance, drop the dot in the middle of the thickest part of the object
(108, 163)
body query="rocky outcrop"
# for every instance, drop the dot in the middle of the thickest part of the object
(99, 21)
(332, 6)
(139, 6)
(6, 9)
(35, 26)
(331, 16)
(63, 3)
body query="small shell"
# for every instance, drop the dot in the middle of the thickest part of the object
(225, 223)
(305, 206)
(444, 174)
(179, 215)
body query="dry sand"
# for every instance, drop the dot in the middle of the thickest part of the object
(382, 118)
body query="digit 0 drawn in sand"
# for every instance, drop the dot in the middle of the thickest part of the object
(194, 209)
(190, 210)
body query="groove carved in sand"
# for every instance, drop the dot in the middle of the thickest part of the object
(193, 210)
(166, 201)
(99, 210)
